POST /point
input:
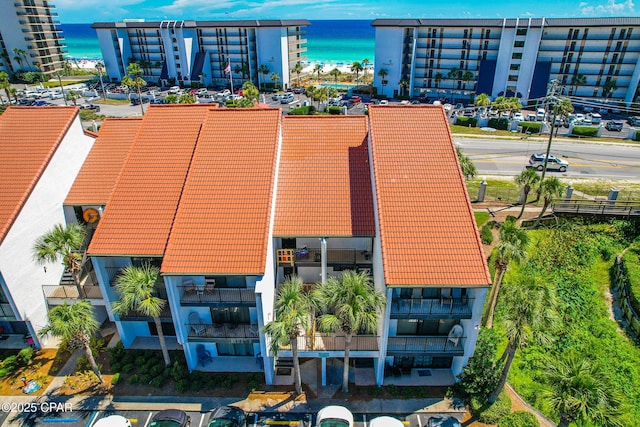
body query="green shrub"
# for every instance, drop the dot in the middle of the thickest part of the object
(519, 419)
(25, 355)
(143, 369)
(159, 381)
(179, 371)
(83, 364)
(129, 367)
(10, 363)
(480, 377)
(486, 235)
(631, 270)
(182, 386)
(117, 353)
(531, 127)
(156, 369)
(134, 379)
(375, 391)
(584, 131)
(637, 136)
(5, 371)
(495, 412)
(499, 123)
(303, 111)
(334, 110)
(115, 379)
(466, 121)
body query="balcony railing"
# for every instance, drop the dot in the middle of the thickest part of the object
(416, 307)
(6, 313)
(330, 342)
(221, 330)
(71, 292)
(198, 295)
(426, 344)
(313, 257)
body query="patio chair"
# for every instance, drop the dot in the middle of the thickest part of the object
(455, 334)
(189, 287)
(204, 355)
(197, 325)
(209, 285)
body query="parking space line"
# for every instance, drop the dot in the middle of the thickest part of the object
(364, 419)
(92, 419)
(419, 421)
(148, 419)
(201, 420)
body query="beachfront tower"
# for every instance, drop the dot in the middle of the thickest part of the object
(30, 37)
(597, 58)
(197, 52)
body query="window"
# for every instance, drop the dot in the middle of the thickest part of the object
(615, 57)
(629, 33)
(622, 34)
(434, 33)
(575, 34)
(433, 43)
(462, 65)
(570, 57)
(516, 55)
(484, 55)
(518, 43)
(464, 44)
(432, 54)
(618, 46)
(466, 34)
(462, 54)
(567, 67)
(521, 32)
(513, 78)
(488, 33)
(486, 44)
(611, 69)
(573, 46)
(235, 315)
(514, 67)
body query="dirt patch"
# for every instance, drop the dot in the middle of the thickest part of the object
(43, 367)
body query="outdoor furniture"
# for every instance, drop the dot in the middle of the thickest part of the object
(455, 334)
(204, 355)
(189, 287)
(197, 325)
(209, 285)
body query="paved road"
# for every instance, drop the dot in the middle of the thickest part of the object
(586, 160)
(86, 418)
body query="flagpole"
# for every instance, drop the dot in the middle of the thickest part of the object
(231, 77)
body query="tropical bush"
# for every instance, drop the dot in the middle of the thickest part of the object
(486, 235)
(25, 355)
(531, 127)
(500, 124)
(631, 270)
(115, 379)
(466, 121)
(519, 419)
(303, 111)
(584, 131)
(334, 110)
(480, 377)
(500, 408)
(637, 136)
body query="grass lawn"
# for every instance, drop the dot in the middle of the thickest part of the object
(456, 129)
(481, 218)
(601, 187)
(110, 101)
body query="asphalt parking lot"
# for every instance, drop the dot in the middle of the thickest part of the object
(87, 418)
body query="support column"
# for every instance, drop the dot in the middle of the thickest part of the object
(324, 371)
(323, 249)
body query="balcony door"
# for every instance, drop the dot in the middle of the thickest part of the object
(235, 315)
(421, 327)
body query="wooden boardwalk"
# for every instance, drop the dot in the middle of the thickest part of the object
(609, 208)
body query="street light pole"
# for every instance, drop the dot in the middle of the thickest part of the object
(550, 97)
(64, 98)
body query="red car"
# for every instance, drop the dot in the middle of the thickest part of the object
(355, 99)
(193, 91)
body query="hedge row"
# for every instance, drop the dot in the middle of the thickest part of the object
(631, 268)
(500, 124)
(531, 127)
(584, 131)
(637, 137)
(466, 121)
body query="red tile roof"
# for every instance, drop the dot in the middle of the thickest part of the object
(222, 223)
(29, 136)
(427, 228)
(139, 215)
(324, 185)
(97, 178)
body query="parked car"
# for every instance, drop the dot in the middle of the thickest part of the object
(93, 107)
(614, 125)
(446, 421)
(56, 95)
(596, 118)
(201, 92)
(386, 422)
(334, 416)
(113, 421)
(227, 416)
(297, 89)
(531, 117)
(174, 90)
(634, 120)
(170, 418)
(384, 102)
(459, 106)
(540, 113)
(356, 99)
(276, 97)
(537, 161)
(286, 98)
(157, 101)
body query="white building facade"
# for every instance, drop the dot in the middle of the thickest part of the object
(459, 58)
(187, 52)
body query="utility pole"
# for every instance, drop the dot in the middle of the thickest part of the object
(64, 98)
(551, 100)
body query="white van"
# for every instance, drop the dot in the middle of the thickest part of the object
(540, 113)
(596, 118)
(174, 89)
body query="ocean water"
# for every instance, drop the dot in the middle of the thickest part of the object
(329, 42)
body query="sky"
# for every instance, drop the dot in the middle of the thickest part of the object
(88, 11)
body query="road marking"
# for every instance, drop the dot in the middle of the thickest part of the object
(148, 419)
(419, 421)
(364, 419)
(91, 420)
(201, 420)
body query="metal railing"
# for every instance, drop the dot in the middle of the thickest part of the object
(598, 207)
(426, 344)
(6, 313)
(71, 292)
(222, 330)
(198, 294)
(330, 342)
(431, 307)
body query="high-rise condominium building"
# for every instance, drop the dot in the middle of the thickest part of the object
(200, 51)
(459, 58)
(30, 37)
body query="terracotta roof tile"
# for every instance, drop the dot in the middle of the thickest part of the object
(222, 223)
(29, 136)
(138, 217)
(427, 228)
(97, 178)
(324, 184)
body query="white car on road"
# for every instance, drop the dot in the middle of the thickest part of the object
(334, 416)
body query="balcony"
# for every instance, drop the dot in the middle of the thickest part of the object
(214, 331)
(71, 292)
(196, 295)
(331, 342)
(137, 316)
(442, 308)
(435, 345)
(6, 313)
(345, 258)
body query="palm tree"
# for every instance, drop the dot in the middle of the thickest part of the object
(527, 179)
(511, 247)
(530, 309)
(18, 59)
(383, 72)
(438, 78)
(134, 79)
(74, 324)
(469, 170)
(275, 78)
(14, 93)
(73, 96)
(136, 287)
(353, 306)
(482, 100)
(466, 78)
(292, 318)
(100, 69)
(297, 69)
(364, 63)
(549, 189)
(608, 88)
(578, 80)
(404, 85)
(21, 53)
(317, 69)
(264, 70)
(454, 74)
(5, 85)
(356, 67)
(250, 95)
(62, 244)
(579, 392)
(335, 73)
